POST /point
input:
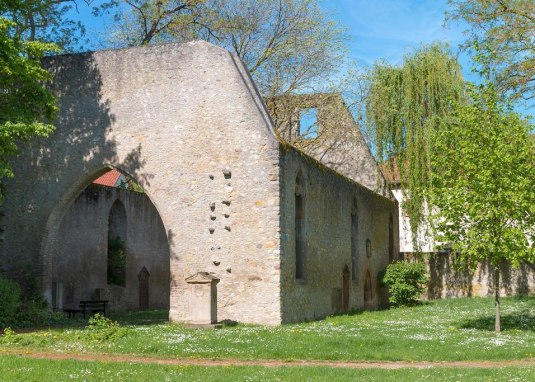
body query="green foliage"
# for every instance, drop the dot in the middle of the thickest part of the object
(26, 106)
(505, 30)
(116, 261)
(405, 106)
(100, 328)
(45, 20)
(433, 331)
(11, 305)
(405, 281)
(16, 368)
(17, 311)
(484, 182)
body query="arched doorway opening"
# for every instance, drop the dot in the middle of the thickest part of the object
(106, 244)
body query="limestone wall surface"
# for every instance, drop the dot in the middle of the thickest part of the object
(81, 263)
(328, 200)
(339, 143)
(186, 123)
(445, 280)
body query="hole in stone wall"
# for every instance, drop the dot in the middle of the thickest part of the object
(308, 123)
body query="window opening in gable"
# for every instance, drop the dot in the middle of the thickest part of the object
(308, 123)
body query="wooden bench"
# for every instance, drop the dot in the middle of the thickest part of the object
(88, 306)
(93, 306)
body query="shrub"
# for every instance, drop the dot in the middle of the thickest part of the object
(405, 281)
(16, 311)
(101, 328)
(11, 302)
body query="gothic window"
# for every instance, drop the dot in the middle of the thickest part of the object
(299, 229)
(354, 246)
(368, 248)
(117, 244)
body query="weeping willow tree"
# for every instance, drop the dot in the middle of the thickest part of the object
(405, 105)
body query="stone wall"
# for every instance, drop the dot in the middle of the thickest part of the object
(81, 263)
(186, 123)
(448, 281)
(329, 200)
(339, 143)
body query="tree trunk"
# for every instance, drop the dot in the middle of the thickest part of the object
(497, 325)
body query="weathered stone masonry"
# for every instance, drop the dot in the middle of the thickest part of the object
(187, 124)
(81, 264)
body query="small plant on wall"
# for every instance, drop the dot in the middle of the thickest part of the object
(116, 261)
(405, 281)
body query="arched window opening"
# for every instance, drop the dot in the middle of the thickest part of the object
(117, 244)
(368, 288)
(368, 248)
(391, 238)
(299, 229)
(354, 242)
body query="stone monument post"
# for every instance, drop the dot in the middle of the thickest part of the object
(203, 300)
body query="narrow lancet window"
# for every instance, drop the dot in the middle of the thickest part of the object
(299, 230)
(354, 243)
(117, 245)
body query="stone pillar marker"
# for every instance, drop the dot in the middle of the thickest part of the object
(202, 300)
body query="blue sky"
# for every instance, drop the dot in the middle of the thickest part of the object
(378, 29)
(386, 29)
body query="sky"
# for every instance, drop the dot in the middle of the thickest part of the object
(386, 29)
(377, 29)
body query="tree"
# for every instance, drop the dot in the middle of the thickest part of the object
(26, 106)
(141, 22)
(506, 30)
(45, 20)
(289, 46)
(405, 106)
(483, 185)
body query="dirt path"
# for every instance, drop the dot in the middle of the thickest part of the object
(265, 363)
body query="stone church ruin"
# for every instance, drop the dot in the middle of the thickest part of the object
(291, 234)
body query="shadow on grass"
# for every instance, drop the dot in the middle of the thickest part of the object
(523, 320)
(138, 318)
(141, 317)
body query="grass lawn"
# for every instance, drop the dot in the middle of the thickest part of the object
(21, 369)
(445, 330)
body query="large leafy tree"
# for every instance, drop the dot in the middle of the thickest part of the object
(483, 185)
(26, 106)
(406, 105)
(505, 29)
